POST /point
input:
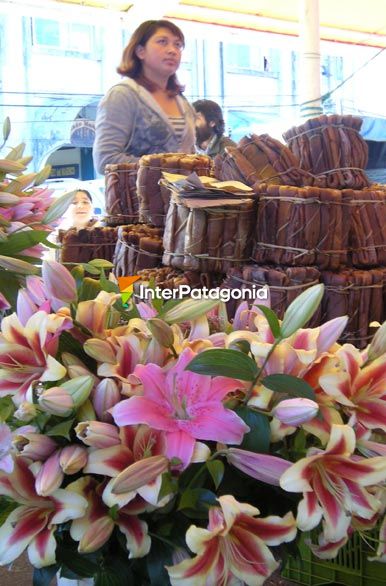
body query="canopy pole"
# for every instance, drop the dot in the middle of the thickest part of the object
(309, 84)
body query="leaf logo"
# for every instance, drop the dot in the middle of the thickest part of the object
(126, 287)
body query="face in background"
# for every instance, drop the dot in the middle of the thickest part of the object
(81, 210)
(161, 55)
(204, 131)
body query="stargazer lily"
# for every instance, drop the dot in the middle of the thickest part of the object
(333, 485)
(32, 524)
(96, 526)
(233, 547)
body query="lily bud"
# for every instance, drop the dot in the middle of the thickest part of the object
(79, 388)
(301, 310)
(35, 446)
(86, 412)
(25, 412)
(73, 458)
(96, 535)
(58, 281)
(56, 401)
(139, 474)
(106, 394)
(260, 466)
(98, 434)
(15, 265)
(162, 332)
(378, 344)
(189, 309)
(295, 411)
(50, 476)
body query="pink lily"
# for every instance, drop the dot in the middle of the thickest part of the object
(263, 467)
(96, 313)
(27, 354)
(117, 355)
(6, 460)
(333, 485)
(295, 411)
(33, 523)
(58, 281)
(360, 391)
(187, 406)
(95, 528)
(233, 547)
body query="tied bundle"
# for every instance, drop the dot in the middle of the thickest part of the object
(122, 205)
(259, 158)
(170, 278)
(284, 283)
(331, 149)
(367, 240)
(154, 198)
(358, 294)
(302, 226)
(83, 245)
(139, 246)
(208, 239)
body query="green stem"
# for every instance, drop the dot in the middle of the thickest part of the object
(260, 371)
(173, 545)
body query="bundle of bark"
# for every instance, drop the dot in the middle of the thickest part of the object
(122, 205)
(284, 285)
(331, 149)
(86, 244)
(138, 247)
(259, 158)
(302, 226)
(211, 239)
(358, 294)
(154, 198)
(169, 278)
(367, 240)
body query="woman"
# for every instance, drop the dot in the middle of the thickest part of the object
(145, 113)
(80, 212)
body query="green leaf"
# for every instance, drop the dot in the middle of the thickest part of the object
(43, 576)
(291, 385)
(19, 241)
(91, 269)
(271, 319)
(57, 209)
(101, 263)
(198, 499)
(6, 508)
(81, 564)
(169, 485)
(216, 470)
(230, 363)
(258, 438)
(9, 286)
(61, 429)
(90, 289)
(159, 556)
(7, 407)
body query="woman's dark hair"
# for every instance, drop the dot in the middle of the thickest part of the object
(212, 113)
(131, 64)
(87, 193)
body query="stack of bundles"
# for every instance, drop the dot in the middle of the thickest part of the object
(154, 198)
(121, 194)
(138, 247)
(208, 239)
(87, 243)
(358, 294)
(167, 277)
(367, 241)
(331, 149)
(302, 226)
(257, 159)
(285, 284)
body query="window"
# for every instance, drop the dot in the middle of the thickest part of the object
(66, 36)
(244, 58)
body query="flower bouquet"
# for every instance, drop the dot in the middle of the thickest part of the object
(160, 444)
(27, 215)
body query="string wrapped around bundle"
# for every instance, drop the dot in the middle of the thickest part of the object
(358, 294)
(86, 244)
(367, 239)
(122, 206)
(302, 226)
(138, 247)
(211, 239)
(284, 285)
(170, 278)
(154, 198)
(332, 150)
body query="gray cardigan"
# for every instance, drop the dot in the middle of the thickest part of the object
(130, 123)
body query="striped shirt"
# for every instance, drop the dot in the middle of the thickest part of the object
(178, 125)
